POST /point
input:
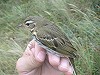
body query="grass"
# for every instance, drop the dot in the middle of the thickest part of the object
(76, 18)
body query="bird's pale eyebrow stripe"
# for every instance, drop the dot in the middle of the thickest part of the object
(29, 22)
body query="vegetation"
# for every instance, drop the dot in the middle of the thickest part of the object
(79, 19)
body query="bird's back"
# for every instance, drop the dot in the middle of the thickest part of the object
(51, 36)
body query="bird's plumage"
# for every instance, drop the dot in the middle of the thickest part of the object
(50, 37)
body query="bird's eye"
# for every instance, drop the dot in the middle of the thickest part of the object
(28, 22)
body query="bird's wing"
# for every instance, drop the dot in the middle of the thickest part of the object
(57, 45)
(52, 37)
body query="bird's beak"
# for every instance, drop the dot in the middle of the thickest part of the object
(20, 25)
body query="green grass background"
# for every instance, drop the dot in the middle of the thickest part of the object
(79, 19)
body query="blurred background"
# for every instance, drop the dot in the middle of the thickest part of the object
(79, 19)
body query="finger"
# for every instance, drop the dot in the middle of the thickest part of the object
(64, 64)
(53, 59)
(29, 47)
(31, 44)
(39, 53)
(70, 71)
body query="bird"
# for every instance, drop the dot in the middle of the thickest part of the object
(50, 37)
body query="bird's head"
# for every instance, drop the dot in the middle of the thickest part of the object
(31, 22)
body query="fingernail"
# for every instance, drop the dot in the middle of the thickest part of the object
(41, 56)
(63, 66)
(29, 45)
(56, 60)
(33, 50)
(71, 70)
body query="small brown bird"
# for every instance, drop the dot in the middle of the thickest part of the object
(50, 37)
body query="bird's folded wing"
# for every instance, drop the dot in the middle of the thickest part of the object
(59, 45)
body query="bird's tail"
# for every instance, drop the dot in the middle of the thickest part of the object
(72, 64)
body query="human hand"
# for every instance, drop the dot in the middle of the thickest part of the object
(35, 61)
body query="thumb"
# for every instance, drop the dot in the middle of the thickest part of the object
(28, 62)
